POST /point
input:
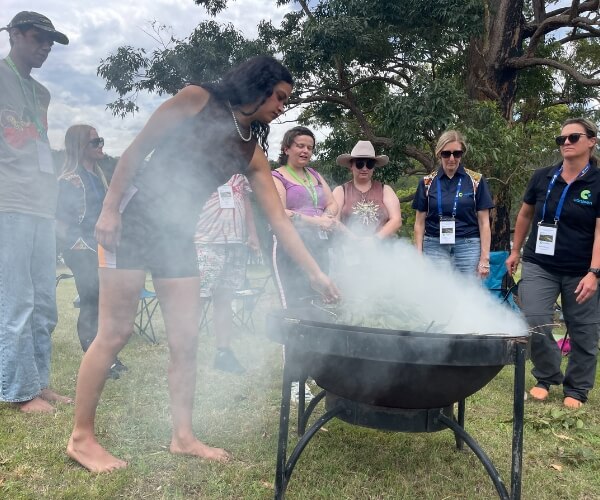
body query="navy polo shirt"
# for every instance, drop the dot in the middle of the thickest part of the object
(466, 216)
(577, 224)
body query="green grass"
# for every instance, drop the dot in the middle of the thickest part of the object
(561, 454)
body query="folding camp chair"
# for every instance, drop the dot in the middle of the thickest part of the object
(245, 301)
(500, 282)
(143, 319)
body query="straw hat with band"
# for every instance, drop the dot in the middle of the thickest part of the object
(363, 150)
(35, 20)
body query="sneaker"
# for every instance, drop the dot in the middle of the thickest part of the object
(308, 395)
(226, 361)
(113, 373)
(120, 367)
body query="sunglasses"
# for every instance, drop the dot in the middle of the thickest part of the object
(42, 38)
(98, 142)
(370, 164)
(573, 138)
(448, 154)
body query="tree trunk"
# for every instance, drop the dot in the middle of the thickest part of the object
(500, 223)
(488, 78)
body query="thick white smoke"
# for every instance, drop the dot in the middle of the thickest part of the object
(392, 286)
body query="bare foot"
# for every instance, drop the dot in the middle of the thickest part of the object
(36, 405)
(51, 396)
(198, 449)
(92, 456)
(573, 403)
(539, 393)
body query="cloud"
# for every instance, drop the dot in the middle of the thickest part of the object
(95, 30)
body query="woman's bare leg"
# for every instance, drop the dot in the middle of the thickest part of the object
(179, 300)
(119, 296)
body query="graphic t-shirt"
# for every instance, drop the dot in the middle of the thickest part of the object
(24, 188)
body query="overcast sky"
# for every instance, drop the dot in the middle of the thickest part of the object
(95, 29)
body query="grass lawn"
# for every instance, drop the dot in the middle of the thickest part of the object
(241, 414)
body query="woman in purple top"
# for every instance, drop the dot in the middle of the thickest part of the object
(308, 202)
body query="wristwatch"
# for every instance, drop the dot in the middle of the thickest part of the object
(595, 271)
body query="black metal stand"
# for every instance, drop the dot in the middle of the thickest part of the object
(402, 420)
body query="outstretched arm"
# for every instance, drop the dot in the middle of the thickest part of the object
(262, 183)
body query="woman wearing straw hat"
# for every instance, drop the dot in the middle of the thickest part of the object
(368, 208)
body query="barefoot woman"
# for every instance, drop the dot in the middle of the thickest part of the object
(199, 138)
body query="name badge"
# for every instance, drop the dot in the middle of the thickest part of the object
(546, 239)
(44, 157)
(447, 232)
(225, 196)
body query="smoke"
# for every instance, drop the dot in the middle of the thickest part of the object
(392, 286)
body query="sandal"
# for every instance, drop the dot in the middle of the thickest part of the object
(539, 393)
(573, 403)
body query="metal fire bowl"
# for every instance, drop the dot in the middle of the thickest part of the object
(389, 368)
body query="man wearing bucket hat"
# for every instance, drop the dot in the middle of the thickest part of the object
(368, 208)
(28, 192)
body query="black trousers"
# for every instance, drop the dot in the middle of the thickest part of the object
(84, 266)
(293, 284)
(538, 290)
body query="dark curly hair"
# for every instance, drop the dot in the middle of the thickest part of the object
(248, 82)
(288, 139)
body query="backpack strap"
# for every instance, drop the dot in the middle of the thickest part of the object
(475, 180)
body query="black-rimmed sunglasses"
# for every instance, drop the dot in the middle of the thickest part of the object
(573, 138)
(370, 164)
(98, 142)
(447, 154)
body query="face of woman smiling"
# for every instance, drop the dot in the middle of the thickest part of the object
(301, 150)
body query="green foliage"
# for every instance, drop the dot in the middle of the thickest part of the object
(556, 419)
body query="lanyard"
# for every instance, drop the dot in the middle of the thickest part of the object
(563, 196)
(36, 119)
(439, 197)
(308, 185)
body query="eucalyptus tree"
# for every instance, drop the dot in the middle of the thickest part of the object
(399, 72)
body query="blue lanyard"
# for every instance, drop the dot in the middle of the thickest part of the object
(563, 196)
(439, 197)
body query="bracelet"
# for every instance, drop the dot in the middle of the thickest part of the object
(483, 266)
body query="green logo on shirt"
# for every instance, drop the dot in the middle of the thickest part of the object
(585, 194)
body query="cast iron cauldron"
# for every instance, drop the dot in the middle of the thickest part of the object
(390, 368)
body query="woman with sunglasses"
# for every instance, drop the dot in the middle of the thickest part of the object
(561, 206)
(453, 205)
(82, 187)
(368, 208)
(198, 139)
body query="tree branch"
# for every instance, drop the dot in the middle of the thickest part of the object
(527, 62)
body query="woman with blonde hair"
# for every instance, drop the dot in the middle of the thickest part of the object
(453, 211)
(82, 187)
